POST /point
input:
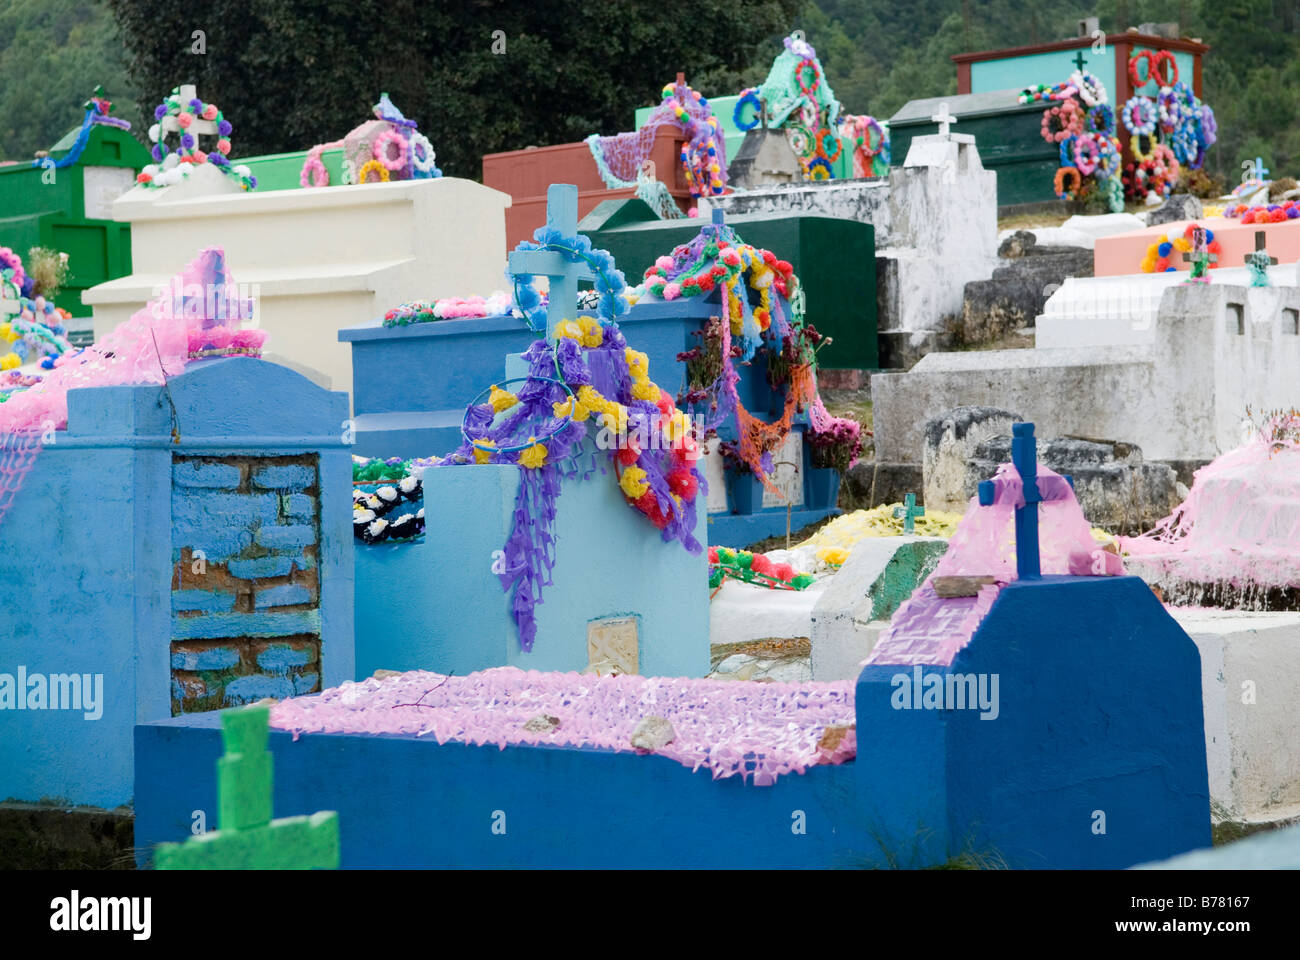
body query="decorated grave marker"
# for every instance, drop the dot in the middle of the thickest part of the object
(908, 514)
(529, 490)
(246, 837)
(203, 514)
(1259, 261)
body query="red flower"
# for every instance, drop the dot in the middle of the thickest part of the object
(761, 564)
(665, 403)
(731, 258)
(713, 554)
(783, 571)
(648, 504)
(684, 483)
(705, 282)
(688, 450)
(769, 258)
(784, 268)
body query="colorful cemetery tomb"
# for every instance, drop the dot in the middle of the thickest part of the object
(935, 228)
(63, 201)
(1062, 763)
(1167, 366)
(650, 162)
(185, 503)
(246, 837)
(820, 248)
(545, 503)
(1056, 125)
(795, 104)
(771, 426)
(389, 147)
(1008, 134)
(188, 118)
(352, 252)
(1235, 240)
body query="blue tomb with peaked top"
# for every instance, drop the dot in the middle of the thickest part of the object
(1095, 758)
(411, 385)
(175, 549)
(438, 604)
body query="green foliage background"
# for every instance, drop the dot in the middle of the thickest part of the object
(291, 73)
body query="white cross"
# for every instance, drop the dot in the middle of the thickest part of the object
(943, 118)
(199, 125)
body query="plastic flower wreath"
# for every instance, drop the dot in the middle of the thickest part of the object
(172, 166)
(1163, 254)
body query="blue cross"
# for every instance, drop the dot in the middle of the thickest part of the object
(1024, 455)
(563, 274)
(908, 514)
(1260, 171)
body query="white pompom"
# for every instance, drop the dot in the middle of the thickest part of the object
(154, 133)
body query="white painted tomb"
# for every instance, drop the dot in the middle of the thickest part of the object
(315, 260)
(1178, 388)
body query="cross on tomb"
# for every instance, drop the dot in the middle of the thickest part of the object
(1200, 258)
(944, 119)
(1024, 456)
(562, 273)
(1259, 171)
(246, 837)
(1259, 261)
(908, 514)
(1078, 60)
(197, 126)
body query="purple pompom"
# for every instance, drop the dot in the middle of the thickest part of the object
(223, 128)
(187, 140)
(160, 112)
(157, 153)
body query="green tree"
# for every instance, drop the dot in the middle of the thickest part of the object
(291, 73)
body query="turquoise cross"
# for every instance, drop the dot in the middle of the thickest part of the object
(908, 513)
(247, 838)
(1259, 261)
(1078, 60)
(563, 274)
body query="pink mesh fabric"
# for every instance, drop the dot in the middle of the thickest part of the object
(931, 629)
(758, 730)
(1240, 523)
(152, 342)
(18, 451)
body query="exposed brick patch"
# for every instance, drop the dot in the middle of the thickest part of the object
(283, 666)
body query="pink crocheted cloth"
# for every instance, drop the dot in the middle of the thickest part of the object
(732, 728)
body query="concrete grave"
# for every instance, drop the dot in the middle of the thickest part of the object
(350, 253)
(207, 571)
(950, 441)
(880, 574)
(1178, 390)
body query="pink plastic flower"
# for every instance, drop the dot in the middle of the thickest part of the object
(209, 112)
(672, 291)
(184, 120)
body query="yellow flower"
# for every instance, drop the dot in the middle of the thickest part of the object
(534, 456)
(592, 334)
(637, 362)
(633, 483)
(572, 406)
(590, 398)
(7, 331)
(1183, 244)
(676, 426)
(614, 418)
(482, 456)
(569, 329)
(501, 400)
(833, 556)
(643, 389)
(10, 361)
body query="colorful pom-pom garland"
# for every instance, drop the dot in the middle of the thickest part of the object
(1058, 183)
(1160, 256)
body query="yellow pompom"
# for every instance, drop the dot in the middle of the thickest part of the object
(10, 361)
(501, 400)
(1183, 245)
(572, 406)
(482, 456)
(569, 329)
(590, 398)
(592, 334)
(1148, 265)
(643, 389)
(637, 362)
(615, 418)
(833, 556)
(634, 483)
(534, 456)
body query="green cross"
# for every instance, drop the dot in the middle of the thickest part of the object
(908, 513)
(1079, 61)
(1259, 261)
(246, 837)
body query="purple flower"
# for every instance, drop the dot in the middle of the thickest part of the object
(160, 111)
(197, 104)
(223, 128)
(187, 140)
(157, 153)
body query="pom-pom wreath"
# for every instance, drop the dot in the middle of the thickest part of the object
(372, 167)
(1058, 183)
(390, 149)
(172, 166)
